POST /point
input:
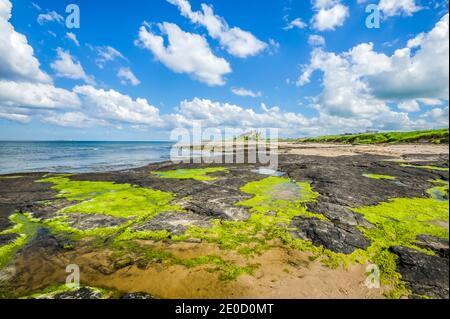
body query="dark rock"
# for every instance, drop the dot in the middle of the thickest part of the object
(92, 221)
(123, 263)
(328, 235)
(137, 295)
(80, 293)
(337, 213)
(423, 274)
(174, 222)
(436, 244)
(6, 239)
(218, 207)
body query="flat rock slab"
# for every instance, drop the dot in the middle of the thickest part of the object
(174, 222)
(6, 239)
(91, 221)
(438, 245)
(424, 274)
(328, 235)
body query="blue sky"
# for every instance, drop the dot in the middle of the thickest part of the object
(137, 70)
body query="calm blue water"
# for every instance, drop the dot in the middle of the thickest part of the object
(71, 157)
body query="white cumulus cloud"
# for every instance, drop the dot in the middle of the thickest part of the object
(115, 106)
(51, 16)
(185, 53)
(72, 36)
(330, 14)
(245, 92)
(398, 7)
(237, 42)
(316, 40)
(127, 76)
(17, 60)
(65, 66)
(296, 23)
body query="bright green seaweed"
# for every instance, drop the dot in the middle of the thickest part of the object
(398, 223)
(117, 200)
(24, 226)
(124, 200)
(51, 291)
(439, 192)
(432, 168)
(276, 202)
(378, 176)
(199, 174)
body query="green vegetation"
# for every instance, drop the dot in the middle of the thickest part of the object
(26, 227)
(276, 202)
(430, 136)
(51, 291)
(199, 174)
(398, 223)
(282, 196)
(439, 192)
(228, 270)
(432, 168)
(117, 200)
(124, 200)
(60, 224)
(378, 176)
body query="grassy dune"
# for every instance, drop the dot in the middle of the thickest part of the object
(431, 136)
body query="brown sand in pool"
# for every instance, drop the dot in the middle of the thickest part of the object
(282, 273)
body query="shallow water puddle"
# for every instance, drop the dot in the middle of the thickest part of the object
(398, 183)
(268, 171)
(289, 191)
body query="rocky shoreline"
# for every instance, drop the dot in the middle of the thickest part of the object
(208, 230)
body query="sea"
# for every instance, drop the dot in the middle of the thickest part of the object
(79, 157)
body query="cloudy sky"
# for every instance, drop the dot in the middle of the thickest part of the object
(136, 72)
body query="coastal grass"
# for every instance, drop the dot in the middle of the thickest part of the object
(440, 136)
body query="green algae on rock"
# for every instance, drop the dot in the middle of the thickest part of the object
(228, 270)
(429, 167)
(276, 202)
(199, 174)
(117, 200)
(281, 196)
(398, 223)
(378, 176)
(65, 291)
(26, 228)
(439, 192)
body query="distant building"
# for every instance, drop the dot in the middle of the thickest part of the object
(253, 135)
